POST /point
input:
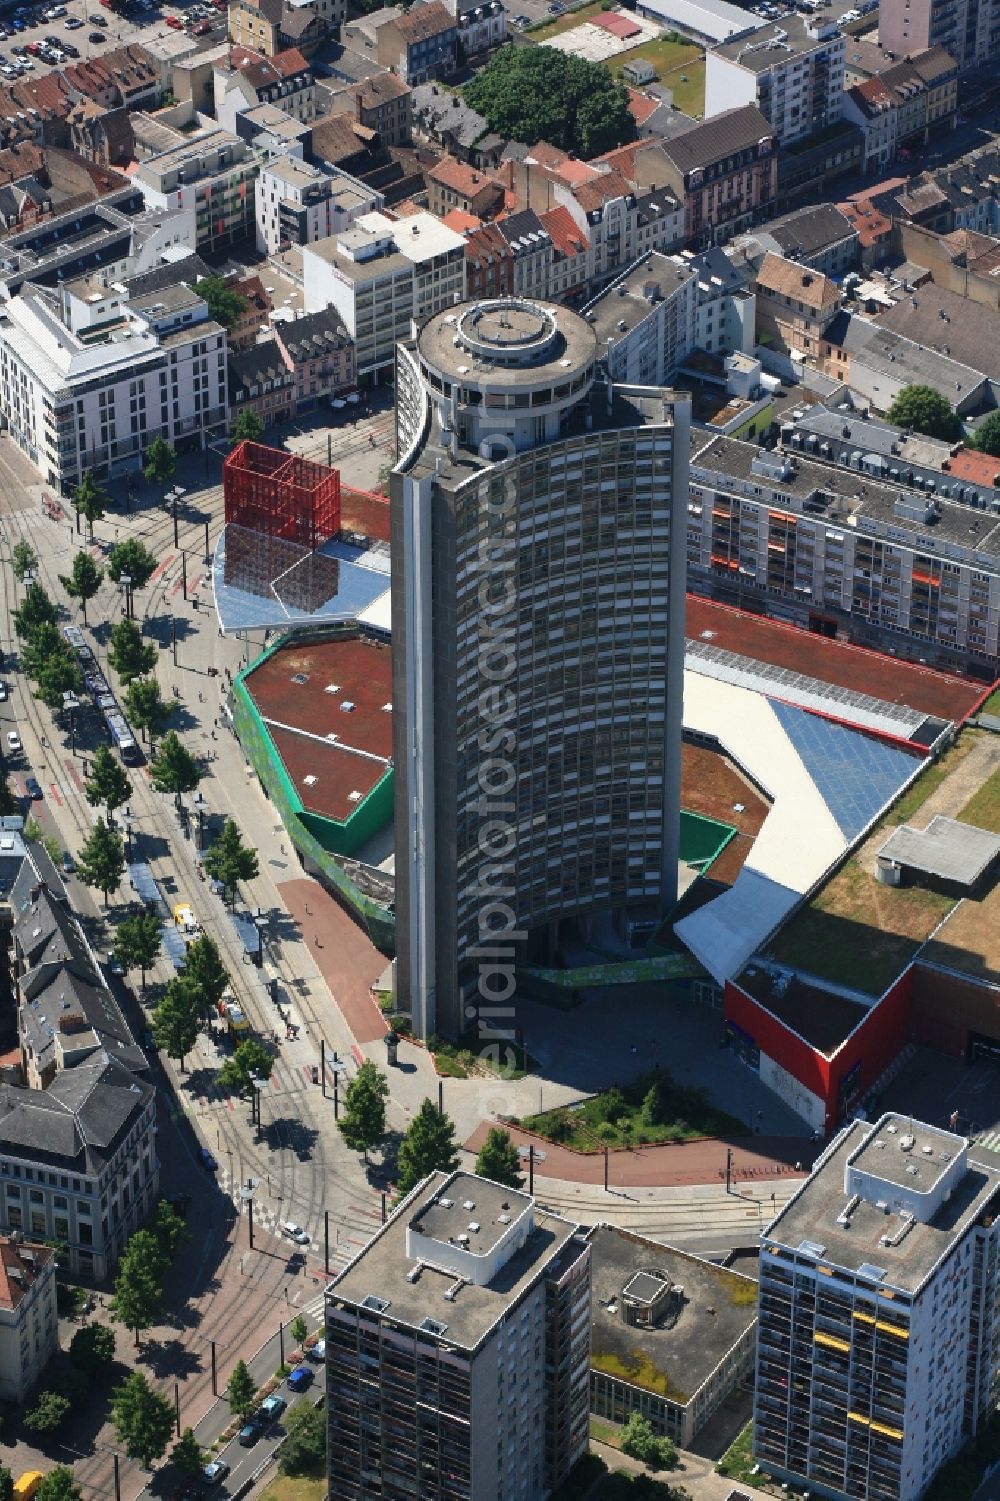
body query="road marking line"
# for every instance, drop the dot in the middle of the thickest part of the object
(159, 572)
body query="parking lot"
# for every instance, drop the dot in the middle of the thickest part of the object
(38, 38)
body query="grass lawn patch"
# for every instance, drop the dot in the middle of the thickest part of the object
(737, 1463)
(991, 705)
(680, 67)
(508, 1060)
(295, 1488)
(983, 808)
(859, 933)
(650, 1109)
(606, 1433)
(572, 18)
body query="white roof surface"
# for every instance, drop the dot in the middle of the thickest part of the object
(709, 18)
(379, 612)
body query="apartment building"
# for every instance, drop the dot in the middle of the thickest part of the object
(78, 1161)
(454, 184)
(29, 1323)
(262, 380)
(795, 306)
(885, 565)
(903, 103)
(382, 273)
(383, 103)
(652, 319)
(321, 353)
(246, 78)
(420, 44)
(502, 400)
(211, 173)
(298, 203)
(116, 236)
(88, 378)
(272, 26)
(457, 1345)
(969, 30)
(532, 251)
(792, 71)
(489, 263)
(725, 172)
(878, 1333)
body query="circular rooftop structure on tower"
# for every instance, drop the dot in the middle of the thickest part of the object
(506, 342)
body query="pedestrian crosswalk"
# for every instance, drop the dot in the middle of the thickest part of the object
(991, 1141)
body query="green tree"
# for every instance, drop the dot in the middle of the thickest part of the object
(187, 1454)
(129, 655)
(251, 1059)
(90, 500)
(134, 558)
(48, 1414)
(138, 1286)
(108, 785)
(174, 769)
(639, 1441)
(170, 1230)
(138, 943)
(83, 580)
(362, 1120)
(101, 861)
(59, 675)
(240, 1390)
(206, 973)
(35, 609)
(92, 1348)
(143, 1419)
(538, 93)
(6, 1484)
(161, 461)
(498, 1159)
(59, 1485)
(176, 1018)
(248, 427)
(229, 860)
(987, 435)
(24, 559)
(304, 1449)
(40, 648)
(429, 1145)
(145, 706)
(298, 1329)
(924, 410)
(224, 305)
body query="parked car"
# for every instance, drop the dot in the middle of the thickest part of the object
(33, 787)
(68, 863)
(291, 1231)
(272, 1408)
(251, 1431)
(14, 746)
(317, 1352)
(96, 20)
(215, 1473)
(301, 1377)
(71, 49)
(95, 36)
(175, 23)
(4, 690)
(207, 1160)
(201, 29)
(74, 23)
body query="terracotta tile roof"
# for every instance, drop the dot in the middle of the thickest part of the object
(564, 232)
(642, 106)
(24, 159)
(978, 468)
(573, 171)
(253, 289)
(618, 25)
(460, 177)
(484, 243)
(871, 225)
(622, 159)
(260, 71)
(872, 97)
(460, 221)
(547, 155)
(381, 89)
(13, 1261)
(598, 191)
(424, 21)
(789, 279)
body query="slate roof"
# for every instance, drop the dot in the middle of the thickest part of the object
(424, 21)
(949, 325)
(810, 230)
(316, 333)
(79, 1121)
(713, 140)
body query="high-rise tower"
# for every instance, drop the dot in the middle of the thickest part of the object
(538, 519)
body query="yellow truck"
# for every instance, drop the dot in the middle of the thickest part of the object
(185, 919)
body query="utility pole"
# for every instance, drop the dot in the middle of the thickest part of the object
(215, 1374)
(326, 1241)
(605, 1169)
(173, 638)
(729, 1169)
(118, 1482)
(322, 1065)
(177, 1406)
(281, 1343)
(184, 573)
(440, 1097)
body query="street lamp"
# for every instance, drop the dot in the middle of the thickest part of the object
(125, 584)
(259, 1085)
(129, 824)
(199, 801)
(174, 496)
(70, 704)
(246, 1194)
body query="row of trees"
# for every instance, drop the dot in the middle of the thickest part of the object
(429, 1142)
